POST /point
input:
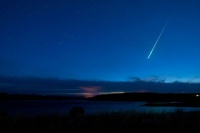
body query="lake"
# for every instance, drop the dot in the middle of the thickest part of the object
(34, 107)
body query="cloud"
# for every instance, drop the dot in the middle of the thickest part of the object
(30, 85)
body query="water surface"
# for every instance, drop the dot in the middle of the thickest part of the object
(34, 107)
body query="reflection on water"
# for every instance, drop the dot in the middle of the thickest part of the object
(33, 107)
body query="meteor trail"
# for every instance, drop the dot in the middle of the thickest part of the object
(157, 40)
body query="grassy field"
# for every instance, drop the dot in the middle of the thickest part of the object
(128, 122)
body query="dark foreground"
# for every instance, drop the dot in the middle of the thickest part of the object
(127, 122)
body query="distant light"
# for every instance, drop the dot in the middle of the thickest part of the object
(118, 92)
(197, 95)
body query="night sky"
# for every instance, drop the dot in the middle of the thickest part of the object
(101, 40)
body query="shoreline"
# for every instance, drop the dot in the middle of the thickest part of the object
(172, 104)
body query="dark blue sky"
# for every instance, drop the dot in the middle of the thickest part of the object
(100, 39)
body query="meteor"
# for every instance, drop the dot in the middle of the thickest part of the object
(157, 40)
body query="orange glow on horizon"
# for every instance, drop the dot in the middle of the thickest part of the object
(90, 91)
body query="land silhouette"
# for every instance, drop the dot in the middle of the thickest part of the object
(155, 99)
(151, 99)
(122, 121)
(128, 122)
